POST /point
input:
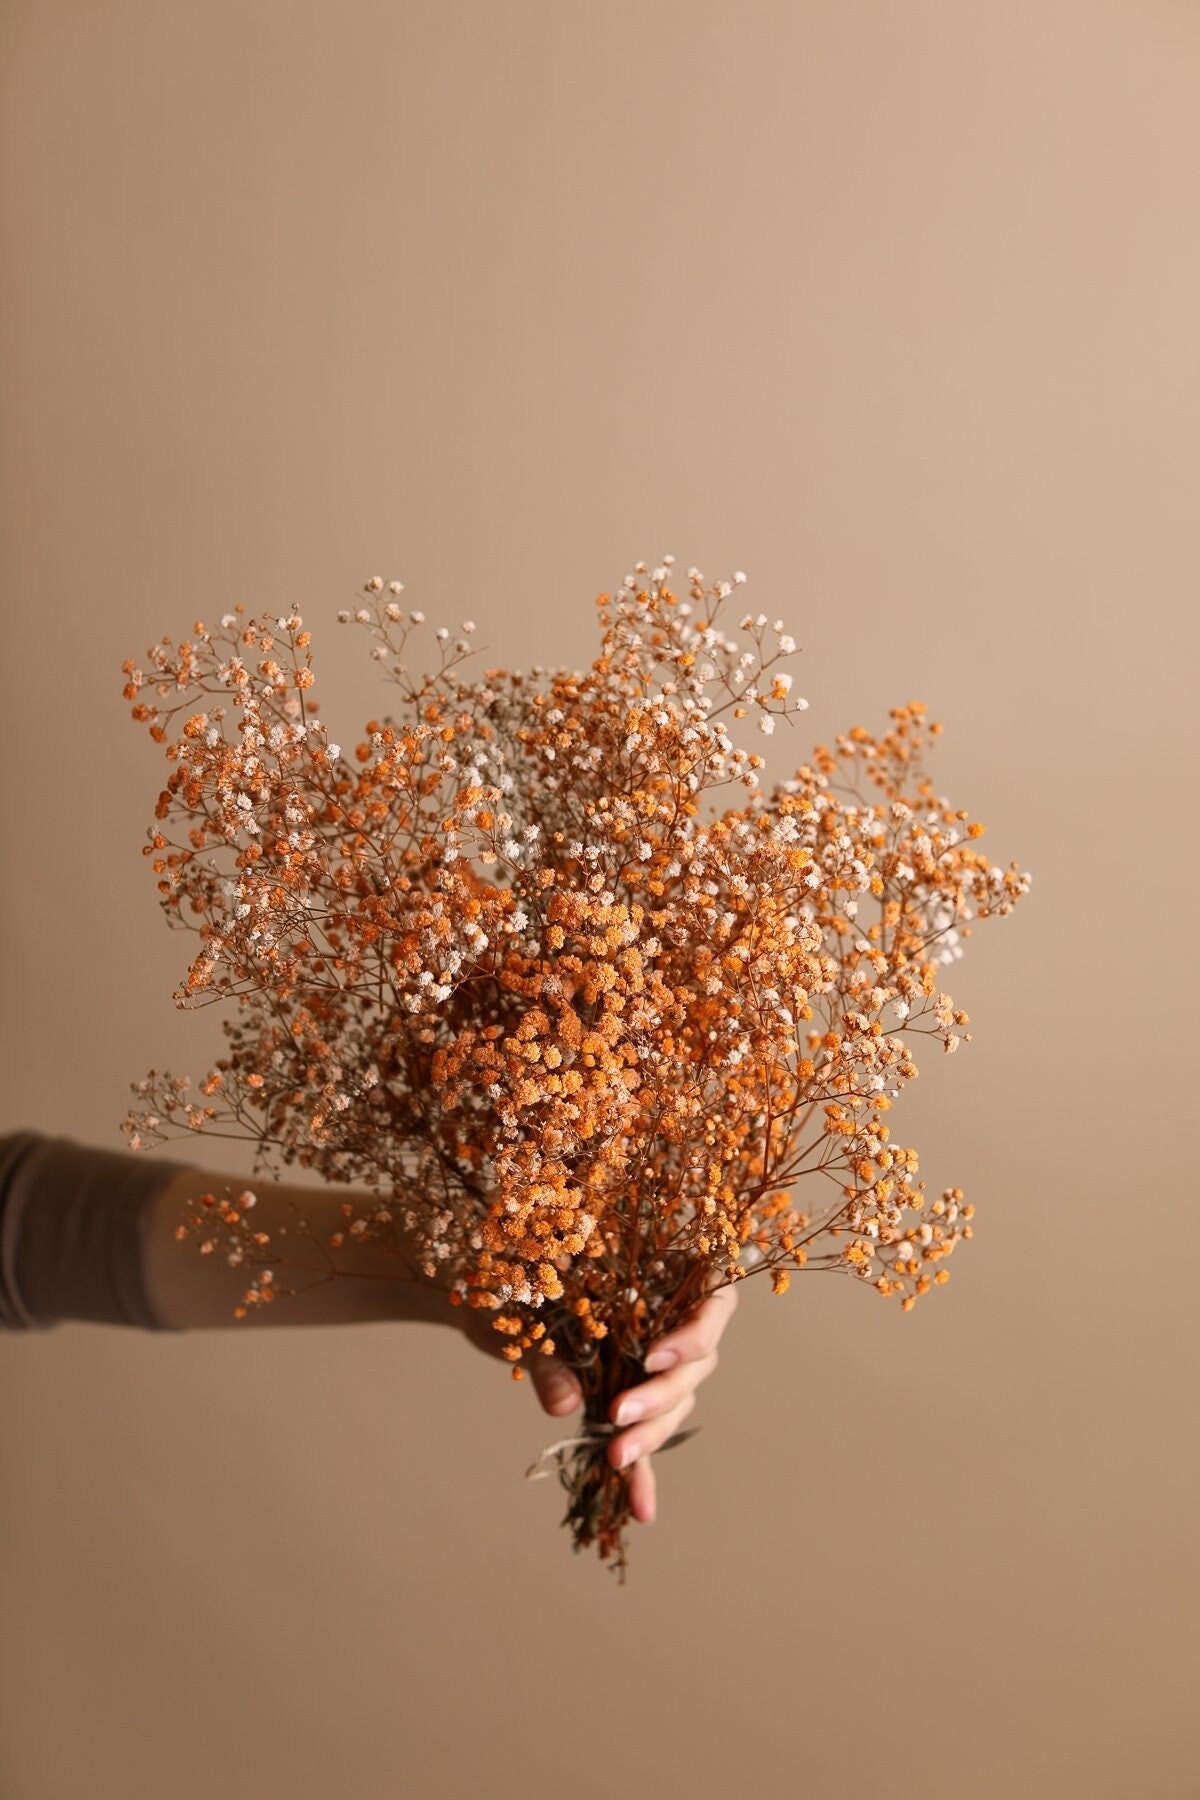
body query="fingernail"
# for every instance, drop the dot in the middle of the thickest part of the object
(658, 1360)
(628, 1411)
(629, 1454)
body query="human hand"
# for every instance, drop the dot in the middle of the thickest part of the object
(554, 1381)
(660, 1405)
(663, 1401)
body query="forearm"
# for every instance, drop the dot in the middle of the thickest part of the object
(318, 1283)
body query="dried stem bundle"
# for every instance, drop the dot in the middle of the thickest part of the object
(497, 964)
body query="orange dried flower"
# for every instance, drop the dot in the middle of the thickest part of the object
(502, 959)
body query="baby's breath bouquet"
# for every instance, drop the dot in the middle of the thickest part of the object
(579, 1032)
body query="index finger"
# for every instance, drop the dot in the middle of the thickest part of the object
(699, 1335)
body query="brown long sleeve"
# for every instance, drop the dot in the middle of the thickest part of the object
(73, 1232)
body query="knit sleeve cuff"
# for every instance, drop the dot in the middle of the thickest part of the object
(73, 1228)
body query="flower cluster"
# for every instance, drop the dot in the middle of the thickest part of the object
(499, 961)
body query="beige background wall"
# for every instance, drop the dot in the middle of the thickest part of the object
(895, 308)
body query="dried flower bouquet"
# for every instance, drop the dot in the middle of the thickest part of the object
(580, 1037)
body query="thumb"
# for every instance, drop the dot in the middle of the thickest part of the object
(557, 1385)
